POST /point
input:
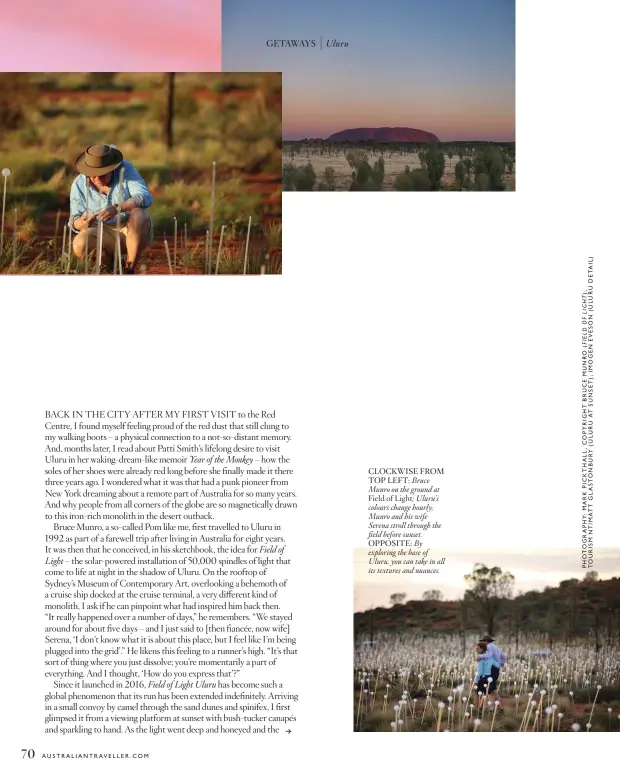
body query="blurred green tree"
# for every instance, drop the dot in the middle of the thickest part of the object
(487, 589)
(417, 180)
(434, 162)
(329, 176)
(461, 175)
(304, 178)
(489, 168)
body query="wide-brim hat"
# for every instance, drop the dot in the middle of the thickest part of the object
(98, 160)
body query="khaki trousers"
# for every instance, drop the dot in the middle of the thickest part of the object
(109, 240)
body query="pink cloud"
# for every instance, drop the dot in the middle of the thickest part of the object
(144, 35)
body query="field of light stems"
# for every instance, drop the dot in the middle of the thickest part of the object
(403, 682)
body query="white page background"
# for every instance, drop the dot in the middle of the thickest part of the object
(407, 329)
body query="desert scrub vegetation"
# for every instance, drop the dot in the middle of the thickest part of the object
(273, 234)
(46, 121)
(363, 176)
(301, 178)
(486, 171)
(191, 203)
(328, 166)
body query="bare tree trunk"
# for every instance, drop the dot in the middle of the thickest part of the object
(517, 636)
(169, 110)
(573, 614)
(463, 615)
(490, 620)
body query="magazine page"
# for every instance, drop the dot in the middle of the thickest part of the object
(285, 472)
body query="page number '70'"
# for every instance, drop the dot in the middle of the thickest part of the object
(27, 753)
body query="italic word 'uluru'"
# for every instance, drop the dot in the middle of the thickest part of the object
(385, 134)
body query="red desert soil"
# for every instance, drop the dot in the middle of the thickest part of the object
(265, 184)
(101, 97)
(114, 96)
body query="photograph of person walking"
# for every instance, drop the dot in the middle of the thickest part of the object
(490, 660)
(529, 643)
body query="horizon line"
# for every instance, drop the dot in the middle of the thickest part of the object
(451, 141)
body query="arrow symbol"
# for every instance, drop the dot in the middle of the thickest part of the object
(288, 731)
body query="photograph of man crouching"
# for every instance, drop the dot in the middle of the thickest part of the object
(107, 186)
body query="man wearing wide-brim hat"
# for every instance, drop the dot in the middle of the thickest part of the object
(100, 169)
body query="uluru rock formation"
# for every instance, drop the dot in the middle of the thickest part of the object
(385, 135)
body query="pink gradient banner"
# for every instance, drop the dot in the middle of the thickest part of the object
(141, 35)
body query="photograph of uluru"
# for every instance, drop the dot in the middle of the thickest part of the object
(398, 95)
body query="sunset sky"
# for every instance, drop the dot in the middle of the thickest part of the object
(143, 35)
(532, 570)
(446, 66)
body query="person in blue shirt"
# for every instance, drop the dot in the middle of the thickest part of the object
(498, 656)
(485, 680)
(99, 168)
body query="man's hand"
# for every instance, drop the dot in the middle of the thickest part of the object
(109, 212)
(88, 217)
(85, 220)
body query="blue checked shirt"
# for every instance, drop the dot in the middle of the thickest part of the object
(134, 187)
